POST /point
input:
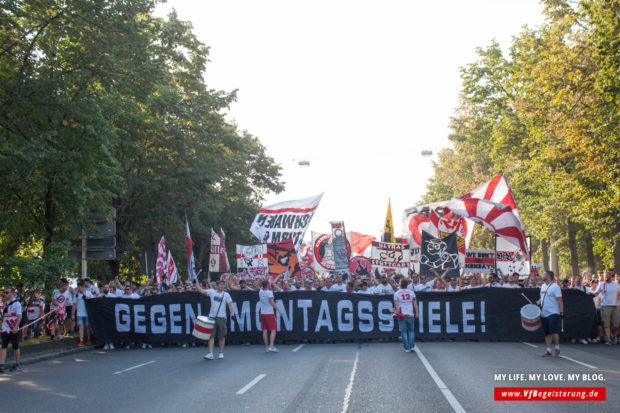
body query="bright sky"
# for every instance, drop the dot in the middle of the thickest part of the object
(357, 88)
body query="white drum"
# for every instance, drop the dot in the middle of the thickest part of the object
(530, 317)
(203, 327)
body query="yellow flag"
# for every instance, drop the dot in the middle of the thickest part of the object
(388, 229)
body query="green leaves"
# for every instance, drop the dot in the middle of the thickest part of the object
(547, 117)
(103, 106)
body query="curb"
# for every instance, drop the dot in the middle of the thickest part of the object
(53, 355)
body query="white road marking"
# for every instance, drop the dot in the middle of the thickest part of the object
(442, 386)
(135, 367)
(251, 384)
(529, 344)
(298, 348)
(347, 394)
(579, 362)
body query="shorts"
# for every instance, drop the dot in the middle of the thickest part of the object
(83, 321)
(10, 338)
(219, 329)
(609, 314)
(268, 322)
(551, 324)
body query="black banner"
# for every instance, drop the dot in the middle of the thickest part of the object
(482, 313)
(439, 254)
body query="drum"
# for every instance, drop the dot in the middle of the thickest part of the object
(530, 317)
(203, 327)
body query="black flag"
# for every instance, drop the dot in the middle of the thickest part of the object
(440, 254)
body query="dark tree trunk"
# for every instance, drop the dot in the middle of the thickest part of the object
(50, 213)
(115, 266)
(587, 240)
(572, 246)
(544, 250)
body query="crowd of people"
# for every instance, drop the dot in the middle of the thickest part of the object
(24, 314)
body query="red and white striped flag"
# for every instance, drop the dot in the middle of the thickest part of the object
(191, 262)
(499, 218)
(173, 273)
(160, 264)
(496, 190)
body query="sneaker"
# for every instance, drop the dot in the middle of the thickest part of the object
(208, 356)
(149, 346)
(274, 350)
(614, 340)
(59, 337)
(111, 346)
(127, 347)
(184, 345)
(144, 345)
(406, 350)
(583, 341)
(545, 354)
(220, 356)
(268, 350)
(556, 352)
(81, 344)
(596, 340)
(89, 343)
(106, 347)
(16, 367)
(412, 350)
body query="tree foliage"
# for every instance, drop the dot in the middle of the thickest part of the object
(546, 116)
(105, 108)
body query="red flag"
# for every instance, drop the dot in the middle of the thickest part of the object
(497, 217)
(361, 242)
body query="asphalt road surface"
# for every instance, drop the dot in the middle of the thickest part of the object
(347, 377)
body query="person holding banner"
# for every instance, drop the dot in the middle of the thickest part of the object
(405, 302)
(218, 313)
(552, 312)
(268, 322)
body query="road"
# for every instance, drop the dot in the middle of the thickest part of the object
(351, 377)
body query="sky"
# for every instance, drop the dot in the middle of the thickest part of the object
(356, 88)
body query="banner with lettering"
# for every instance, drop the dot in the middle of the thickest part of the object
(482, 313)
(284, 220)
(323, 251)
(480, 261)
(388, 255)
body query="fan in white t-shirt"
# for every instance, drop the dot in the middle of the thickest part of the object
(552, 312)
(268, 321)
(406, 308)
(220, 300)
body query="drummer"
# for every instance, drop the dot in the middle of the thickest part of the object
(218, 313)
(552, 312)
